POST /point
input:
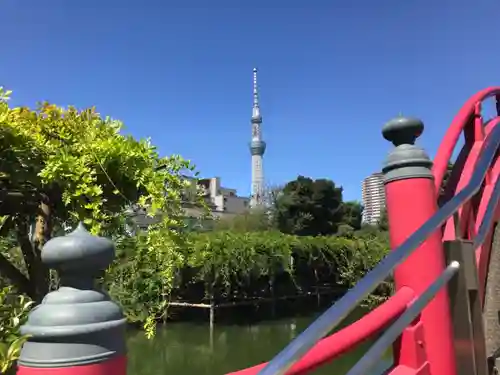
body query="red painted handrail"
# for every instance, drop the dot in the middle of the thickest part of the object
(452, 135)
(468, 218)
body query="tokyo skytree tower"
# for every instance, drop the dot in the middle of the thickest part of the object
(257, 149)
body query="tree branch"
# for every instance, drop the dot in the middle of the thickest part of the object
(15, 202)
(6, 226)
(11, 272)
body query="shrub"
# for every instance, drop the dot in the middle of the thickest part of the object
(13, 313)
(235, 264)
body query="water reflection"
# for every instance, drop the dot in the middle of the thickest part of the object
(189, 348)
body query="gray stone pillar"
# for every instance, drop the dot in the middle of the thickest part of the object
(406, 160)
(76, 325)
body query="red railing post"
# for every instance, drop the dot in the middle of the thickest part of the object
(411, 199)
(77, 329)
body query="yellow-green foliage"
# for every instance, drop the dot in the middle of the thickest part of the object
(87, 170)
(13, 313)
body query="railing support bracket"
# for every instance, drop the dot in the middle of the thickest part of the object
(466, 311)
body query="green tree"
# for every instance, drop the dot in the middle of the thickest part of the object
(379, 229)
(352, 214)
(309, 207)
(383, 222)
(255, 220)
(60, 166)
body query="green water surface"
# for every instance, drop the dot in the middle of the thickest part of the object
(191, 348)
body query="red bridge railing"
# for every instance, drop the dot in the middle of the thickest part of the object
(435, 330)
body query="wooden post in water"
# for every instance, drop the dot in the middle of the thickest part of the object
(212, 313)
(273, 299)
(318, 294)
(212, 321)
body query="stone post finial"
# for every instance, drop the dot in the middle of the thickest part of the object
(402, 130)
(406, 160)
(79, 253)
(77, 324)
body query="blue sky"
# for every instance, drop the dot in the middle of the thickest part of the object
(330, 74)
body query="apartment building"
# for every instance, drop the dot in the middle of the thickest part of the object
(373, 195)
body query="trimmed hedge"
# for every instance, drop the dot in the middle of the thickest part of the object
(226, 266)
(229, 265)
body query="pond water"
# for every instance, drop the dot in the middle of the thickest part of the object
(191, 348)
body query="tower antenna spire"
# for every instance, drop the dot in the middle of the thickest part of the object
(255, 89)
(256, 117)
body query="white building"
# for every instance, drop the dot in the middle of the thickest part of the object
(222, 199)
(223, 203)
(373, 195)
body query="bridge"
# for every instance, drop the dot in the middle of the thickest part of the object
(443, 318)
